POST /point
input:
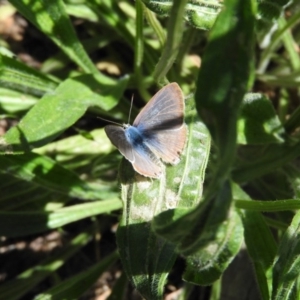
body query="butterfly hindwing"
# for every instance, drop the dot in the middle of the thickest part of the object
(141, 157)
(168, 144)
(146, 163)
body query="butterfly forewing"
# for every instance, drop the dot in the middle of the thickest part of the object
(117, 136)
(162, 123)
(164, 111)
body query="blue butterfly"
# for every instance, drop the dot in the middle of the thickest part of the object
(158, 132)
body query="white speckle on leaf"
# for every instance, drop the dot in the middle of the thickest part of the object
(177, 180)
(143, 185)
(142, 212)
(5, 147)
(171, 199)
(212, 248)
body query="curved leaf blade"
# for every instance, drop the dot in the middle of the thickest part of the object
(75, 286)
(287, 264)
(51, 18)
(28, 279)
(147, 265)
(57, 111)
(43, 171)
(15, 224)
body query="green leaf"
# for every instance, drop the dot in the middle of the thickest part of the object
(265, 160)
(268, 206)
(220, 99)
(173, 42)
(260, 242)
(146, 258)
(147, 265)
(75, 286)
(14, 224)
(57, 111)
(293, 175)
(43, 171)
(268, 13)
(65, 148)
(19, 77)
(96, 157)
(82, 11)
(77, 150)
(19, 194)
(191, 189)
(228, 62)
(274, 36)
(51, 18)
(28, 279)
(287, 264)
(258, 122)
(271, 10)
(200, 14)
(14, 102)
(290, 80)
(218, 243)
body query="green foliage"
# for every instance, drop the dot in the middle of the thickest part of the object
(28, 279)
(201, 14)
(240, 158)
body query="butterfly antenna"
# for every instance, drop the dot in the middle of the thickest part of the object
(130, 108)
(109, 121)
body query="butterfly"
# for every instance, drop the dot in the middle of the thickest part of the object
(158, 132)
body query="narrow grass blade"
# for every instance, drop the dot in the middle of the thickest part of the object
(14, 224)
(268, 206)
(287, 264)
(74, 287)
(45, 172)
(19, 77)
(51, 18)
(14, 102)
(260, 242)
(19, 286)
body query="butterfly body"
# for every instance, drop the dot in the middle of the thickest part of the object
(134, 135)
(158, 132)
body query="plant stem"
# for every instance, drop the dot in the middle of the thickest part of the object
(174, 37)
